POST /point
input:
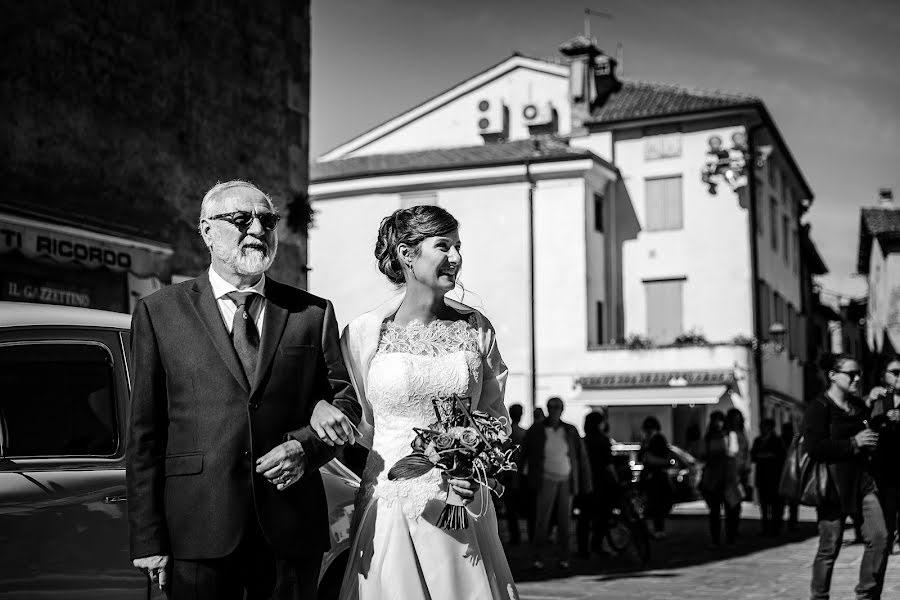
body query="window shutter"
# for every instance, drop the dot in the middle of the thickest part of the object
(664, 206)
(664, 310)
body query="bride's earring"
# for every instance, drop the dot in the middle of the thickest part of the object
(412, 269)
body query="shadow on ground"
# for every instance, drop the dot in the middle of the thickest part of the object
(687, 544)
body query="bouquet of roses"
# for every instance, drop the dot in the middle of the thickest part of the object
(463, 443)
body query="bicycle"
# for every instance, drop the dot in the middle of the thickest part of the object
(627, 531)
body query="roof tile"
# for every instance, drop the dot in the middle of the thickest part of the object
(880, 223)
(643, 99)
(535, 149)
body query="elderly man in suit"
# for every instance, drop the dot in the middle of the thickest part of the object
(237, 380)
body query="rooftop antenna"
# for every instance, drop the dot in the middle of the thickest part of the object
(588, 13)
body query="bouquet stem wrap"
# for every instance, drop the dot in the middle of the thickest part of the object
(454, 516)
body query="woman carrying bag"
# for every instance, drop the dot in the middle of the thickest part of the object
(836, 433)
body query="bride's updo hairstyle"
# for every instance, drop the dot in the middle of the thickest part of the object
(408, 226)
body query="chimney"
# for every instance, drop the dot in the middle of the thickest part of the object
(886, 197)
(592, 77)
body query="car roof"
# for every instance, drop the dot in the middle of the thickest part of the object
(18, 314)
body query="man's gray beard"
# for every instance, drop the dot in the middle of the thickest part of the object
(253, 262)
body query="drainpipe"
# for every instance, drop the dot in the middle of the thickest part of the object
(754, 265)
(531, 269)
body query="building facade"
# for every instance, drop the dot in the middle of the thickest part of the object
(628, 286)
(116, 119)
(879, 261)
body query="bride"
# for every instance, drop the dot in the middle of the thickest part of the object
(416, 347)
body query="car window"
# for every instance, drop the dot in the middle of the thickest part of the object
(58, 400)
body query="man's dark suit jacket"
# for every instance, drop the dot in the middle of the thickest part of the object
(198, 426)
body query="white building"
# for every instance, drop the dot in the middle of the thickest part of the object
(879, 261)
(615, 278)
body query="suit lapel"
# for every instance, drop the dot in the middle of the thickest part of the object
(272, 330)
(208, 310)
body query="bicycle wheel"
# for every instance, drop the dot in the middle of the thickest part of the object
(618, 534)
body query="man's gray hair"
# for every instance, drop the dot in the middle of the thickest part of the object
(217, 193)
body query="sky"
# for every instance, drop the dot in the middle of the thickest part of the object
(828, 71)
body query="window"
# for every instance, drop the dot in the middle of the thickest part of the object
(773, 222)
(777, 314)
(58, 400)
(410, 199)
(598, 213)
(760, 217)
(789, 333)
(600, 340)
(765, 305)
(785, 236)
(663, 203)
(664, 309)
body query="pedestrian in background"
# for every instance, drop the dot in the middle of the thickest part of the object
(654, 481)
(769, 454)
(515, 498)
(885, 403)
(835, 431)
(693, 440)
(719, 483)
(537, 416)
(787, 438)
(558, 470)
(596, 506)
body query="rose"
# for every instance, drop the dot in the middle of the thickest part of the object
(469, 438)
(444, 441)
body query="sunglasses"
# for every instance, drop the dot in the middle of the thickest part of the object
(852, 374)
(243, 219)
(894, 372)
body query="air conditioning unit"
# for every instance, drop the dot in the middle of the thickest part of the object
(538, 113)
(493, 120)
(541, 118)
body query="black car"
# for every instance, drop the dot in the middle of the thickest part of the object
(684, 470)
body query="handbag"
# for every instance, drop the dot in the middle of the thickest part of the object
(804, 480)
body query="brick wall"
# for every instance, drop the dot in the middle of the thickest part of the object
(120, 114)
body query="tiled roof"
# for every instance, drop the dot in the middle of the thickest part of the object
(657, 379)
(880, 223)
(506, 153)
(641, 99)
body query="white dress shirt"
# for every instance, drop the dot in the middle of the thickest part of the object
(227, 307)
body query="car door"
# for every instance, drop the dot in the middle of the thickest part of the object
(63, 516)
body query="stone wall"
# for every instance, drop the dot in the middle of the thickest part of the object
(120, 114)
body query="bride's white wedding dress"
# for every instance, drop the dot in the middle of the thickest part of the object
(398, 553)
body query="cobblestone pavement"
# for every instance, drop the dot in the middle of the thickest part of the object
(682, 567)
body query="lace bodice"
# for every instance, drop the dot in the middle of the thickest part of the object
(413, 365)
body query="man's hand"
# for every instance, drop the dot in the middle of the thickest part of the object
(283, 465)
(331, 424)
(155, 566)
(894, 415)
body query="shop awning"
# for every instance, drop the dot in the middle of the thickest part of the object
(65, 244)
(658, 388)
(652, 396)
